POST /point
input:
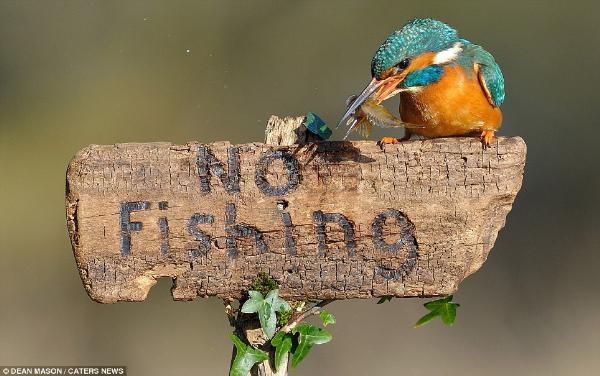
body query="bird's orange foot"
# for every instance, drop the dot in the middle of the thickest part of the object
(486, 138)
(388, 140)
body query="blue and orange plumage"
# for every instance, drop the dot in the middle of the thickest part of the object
(448, 86)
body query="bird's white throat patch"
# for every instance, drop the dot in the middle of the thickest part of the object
(448, 55)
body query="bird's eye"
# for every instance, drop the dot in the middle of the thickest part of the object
(403, 64)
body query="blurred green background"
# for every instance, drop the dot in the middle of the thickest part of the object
(80, 72)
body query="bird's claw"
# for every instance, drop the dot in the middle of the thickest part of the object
(387, 141)
(486, 139)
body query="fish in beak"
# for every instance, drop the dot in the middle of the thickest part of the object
(380, 89)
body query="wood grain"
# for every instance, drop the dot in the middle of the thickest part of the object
(327, 220)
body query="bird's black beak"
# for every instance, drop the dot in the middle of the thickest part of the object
(362, 97)
(386, 88)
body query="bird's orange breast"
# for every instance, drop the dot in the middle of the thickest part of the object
(455, 105)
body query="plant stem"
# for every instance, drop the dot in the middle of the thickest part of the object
(297, 319)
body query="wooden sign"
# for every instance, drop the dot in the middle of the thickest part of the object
(329, 220)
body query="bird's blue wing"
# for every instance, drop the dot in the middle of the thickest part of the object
(490, 75)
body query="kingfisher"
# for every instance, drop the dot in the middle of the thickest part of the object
(448, 86)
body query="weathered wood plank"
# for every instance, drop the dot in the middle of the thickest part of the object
(326, 220)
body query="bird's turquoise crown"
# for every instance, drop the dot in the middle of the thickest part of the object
(416, 37)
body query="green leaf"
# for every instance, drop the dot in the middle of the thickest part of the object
(245, 357)
(448, 313)
(327, 318)
(384, 299)
(425, 319)
(275, 304)
(255, 295)
(267, 319)
(266, 308)
(442, 308)
(435, 304)
(278, 304)
(309, 335)
(252, 305)
(283, 344)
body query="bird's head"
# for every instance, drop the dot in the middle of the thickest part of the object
(417, 45)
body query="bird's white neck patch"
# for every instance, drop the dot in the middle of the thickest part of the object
(448, 55)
